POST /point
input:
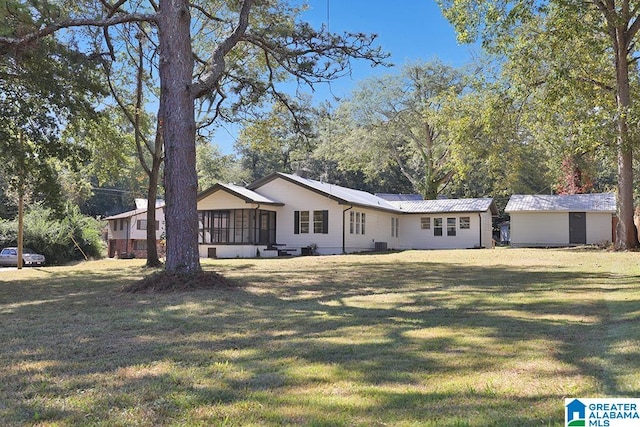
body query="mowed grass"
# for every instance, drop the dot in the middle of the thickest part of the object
(420, 338)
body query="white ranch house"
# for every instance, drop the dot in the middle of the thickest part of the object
(285, 214)
(561, 220)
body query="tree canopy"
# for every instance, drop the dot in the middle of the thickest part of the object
(581, 45)
(393, 122)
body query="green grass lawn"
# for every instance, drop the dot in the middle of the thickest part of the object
(421, 338)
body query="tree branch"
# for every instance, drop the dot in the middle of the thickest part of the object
(217, 62)
(72, 23)
(205, 13)
(114, 8)
(635, 26)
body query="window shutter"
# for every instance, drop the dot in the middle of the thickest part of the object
(325, 222)
(296, 222)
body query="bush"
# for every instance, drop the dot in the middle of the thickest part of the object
(60, 240)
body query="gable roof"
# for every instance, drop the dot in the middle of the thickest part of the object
(597, 202)
(342, 195)
(243, 193)
(129, 214)
(412, 204)
(448, 206)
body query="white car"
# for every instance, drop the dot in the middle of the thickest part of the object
(9, 257)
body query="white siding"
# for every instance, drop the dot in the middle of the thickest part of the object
(598, 227)
(237, 251)
(539, 228)
(378, 225)
(297, 198)
(378, 229)
(223, 200)
(552, 228)
(114, 228)
(414, 237)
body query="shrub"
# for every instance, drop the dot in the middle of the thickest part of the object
(60, 240)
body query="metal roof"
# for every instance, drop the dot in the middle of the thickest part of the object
(249, 195)
(448, 206)
(244, 193)
(415, 204)
(342, 195)
(597, 202)
(400, 197)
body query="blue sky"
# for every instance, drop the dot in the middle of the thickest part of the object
(410, 30)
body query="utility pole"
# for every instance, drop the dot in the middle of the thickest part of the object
(20, 206)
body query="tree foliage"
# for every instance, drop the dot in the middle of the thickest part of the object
(278, 140)
(44, 86)
(61, 240)
(588, 46)
(214, 167)
(394, 122)
(491, 147)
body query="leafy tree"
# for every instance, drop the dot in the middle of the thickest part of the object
(392, 122)
(214, 167)
(491, 147)
(278, 140)
(594, 31)
(38, 94)
(111, 161)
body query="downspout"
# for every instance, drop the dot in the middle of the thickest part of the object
(344, 233)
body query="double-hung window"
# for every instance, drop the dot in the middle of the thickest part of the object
(357, 222)
(395, 227)
(141, 224)
(302, 222)
(437, 226)
(451, 226)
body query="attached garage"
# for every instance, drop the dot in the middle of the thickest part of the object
(561, 220)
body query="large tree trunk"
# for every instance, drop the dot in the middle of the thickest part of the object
(178, 130)
(152, 193)
(625, 231)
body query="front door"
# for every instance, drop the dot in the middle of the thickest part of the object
(264, 228)
(577, 228)
(267, 227)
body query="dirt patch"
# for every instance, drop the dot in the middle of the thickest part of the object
(170, 282)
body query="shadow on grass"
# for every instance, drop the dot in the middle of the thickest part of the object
(367, 345)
